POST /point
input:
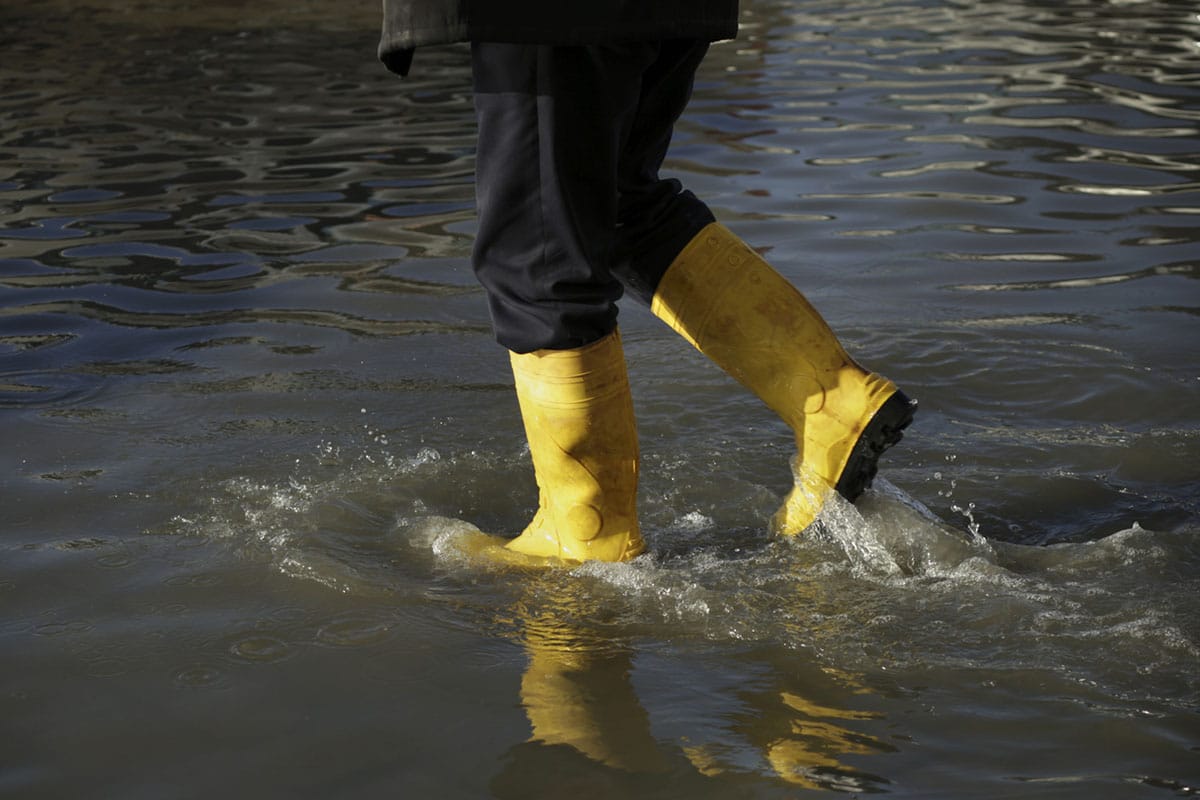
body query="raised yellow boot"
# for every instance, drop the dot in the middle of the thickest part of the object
(732, 306)
(578, 416)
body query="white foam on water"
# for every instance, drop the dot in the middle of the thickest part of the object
(883, 582)
(889, 533)
(694, 521)
(300, 522)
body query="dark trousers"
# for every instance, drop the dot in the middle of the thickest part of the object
(572, 211)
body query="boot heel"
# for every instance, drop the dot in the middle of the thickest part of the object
(885, 429)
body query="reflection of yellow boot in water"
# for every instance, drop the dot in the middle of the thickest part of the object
(578, 416)
(731, 305)
(582, 697)
(812, 755)
(804, 742)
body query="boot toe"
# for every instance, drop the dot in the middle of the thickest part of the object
(885, 429)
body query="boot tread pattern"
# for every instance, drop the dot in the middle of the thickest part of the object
(885, 429)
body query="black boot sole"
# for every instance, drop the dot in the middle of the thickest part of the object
(884, 430)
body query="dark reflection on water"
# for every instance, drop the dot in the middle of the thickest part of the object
(251, 413)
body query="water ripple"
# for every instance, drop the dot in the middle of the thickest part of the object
(207, 260)
(1191, 270)
(46, 389)
(280, 316)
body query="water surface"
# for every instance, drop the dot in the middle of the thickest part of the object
(252, 421)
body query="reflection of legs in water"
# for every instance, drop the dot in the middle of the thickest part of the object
(811, 752)
(794, 725)
(591, 733)
(586, 719)
(576, 689)
(578, 693)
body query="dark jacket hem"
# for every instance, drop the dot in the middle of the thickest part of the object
(402, 31)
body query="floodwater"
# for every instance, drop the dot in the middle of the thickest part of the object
(252, 420)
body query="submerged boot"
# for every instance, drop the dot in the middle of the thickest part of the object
(732, 306)
(578, 416)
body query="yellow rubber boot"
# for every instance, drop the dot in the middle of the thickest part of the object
(736, 309)
(578, 416)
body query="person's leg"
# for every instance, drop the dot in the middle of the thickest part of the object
(578, 415)
(736, 309)
(657, 217)
(549, 130)
(721, 296)
(551, 122)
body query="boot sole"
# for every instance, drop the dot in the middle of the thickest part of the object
(885, 429)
